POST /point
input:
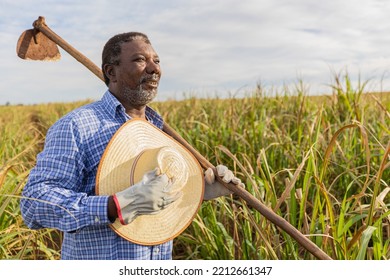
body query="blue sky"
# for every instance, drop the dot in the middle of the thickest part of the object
(207, 48)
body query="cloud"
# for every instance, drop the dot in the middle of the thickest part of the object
(206, 47)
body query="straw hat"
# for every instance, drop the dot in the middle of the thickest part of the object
(138, 147)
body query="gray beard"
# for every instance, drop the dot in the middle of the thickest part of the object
(139, 96)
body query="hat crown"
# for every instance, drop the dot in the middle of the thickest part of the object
(167, 159)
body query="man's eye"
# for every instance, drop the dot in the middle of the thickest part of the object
(157, 61)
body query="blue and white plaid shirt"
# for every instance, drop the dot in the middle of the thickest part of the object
(60, 192)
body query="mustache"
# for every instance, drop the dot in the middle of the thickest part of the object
(150, 77)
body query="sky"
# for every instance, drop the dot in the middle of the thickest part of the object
(207, 48)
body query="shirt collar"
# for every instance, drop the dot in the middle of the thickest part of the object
(111, 104)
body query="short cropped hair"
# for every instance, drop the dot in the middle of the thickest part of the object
(112, 49)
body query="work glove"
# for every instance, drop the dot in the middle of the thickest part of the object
(148, 197)
(213, 188)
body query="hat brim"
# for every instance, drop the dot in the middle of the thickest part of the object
(113, 175)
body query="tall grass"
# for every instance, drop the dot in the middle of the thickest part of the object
(23, 130)
(321, 163)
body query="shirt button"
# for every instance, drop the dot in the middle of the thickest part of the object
(157, 250)
(97, 219)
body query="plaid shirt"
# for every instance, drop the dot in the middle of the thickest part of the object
(60, 192)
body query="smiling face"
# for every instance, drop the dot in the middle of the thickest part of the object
(134, 81)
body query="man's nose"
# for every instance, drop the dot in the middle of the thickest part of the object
(153, 67)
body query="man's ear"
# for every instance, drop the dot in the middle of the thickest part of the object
(109, 70)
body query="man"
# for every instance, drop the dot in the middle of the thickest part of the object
(60, 192)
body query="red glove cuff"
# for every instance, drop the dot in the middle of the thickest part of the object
(118, 209)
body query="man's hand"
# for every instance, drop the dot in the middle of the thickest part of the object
(213, 188)
(149, 196)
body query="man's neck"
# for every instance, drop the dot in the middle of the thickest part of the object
(136, 112)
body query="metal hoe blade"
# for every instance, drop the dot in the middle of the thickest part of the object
(34, 45)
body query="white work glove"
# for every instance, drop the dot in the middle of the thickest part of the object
(147, 197)
(213, 188)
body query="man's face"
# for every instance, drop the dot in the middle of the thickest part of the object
(138, 73)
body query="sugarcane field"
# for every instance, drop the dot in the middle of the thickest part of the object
(181, 159)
